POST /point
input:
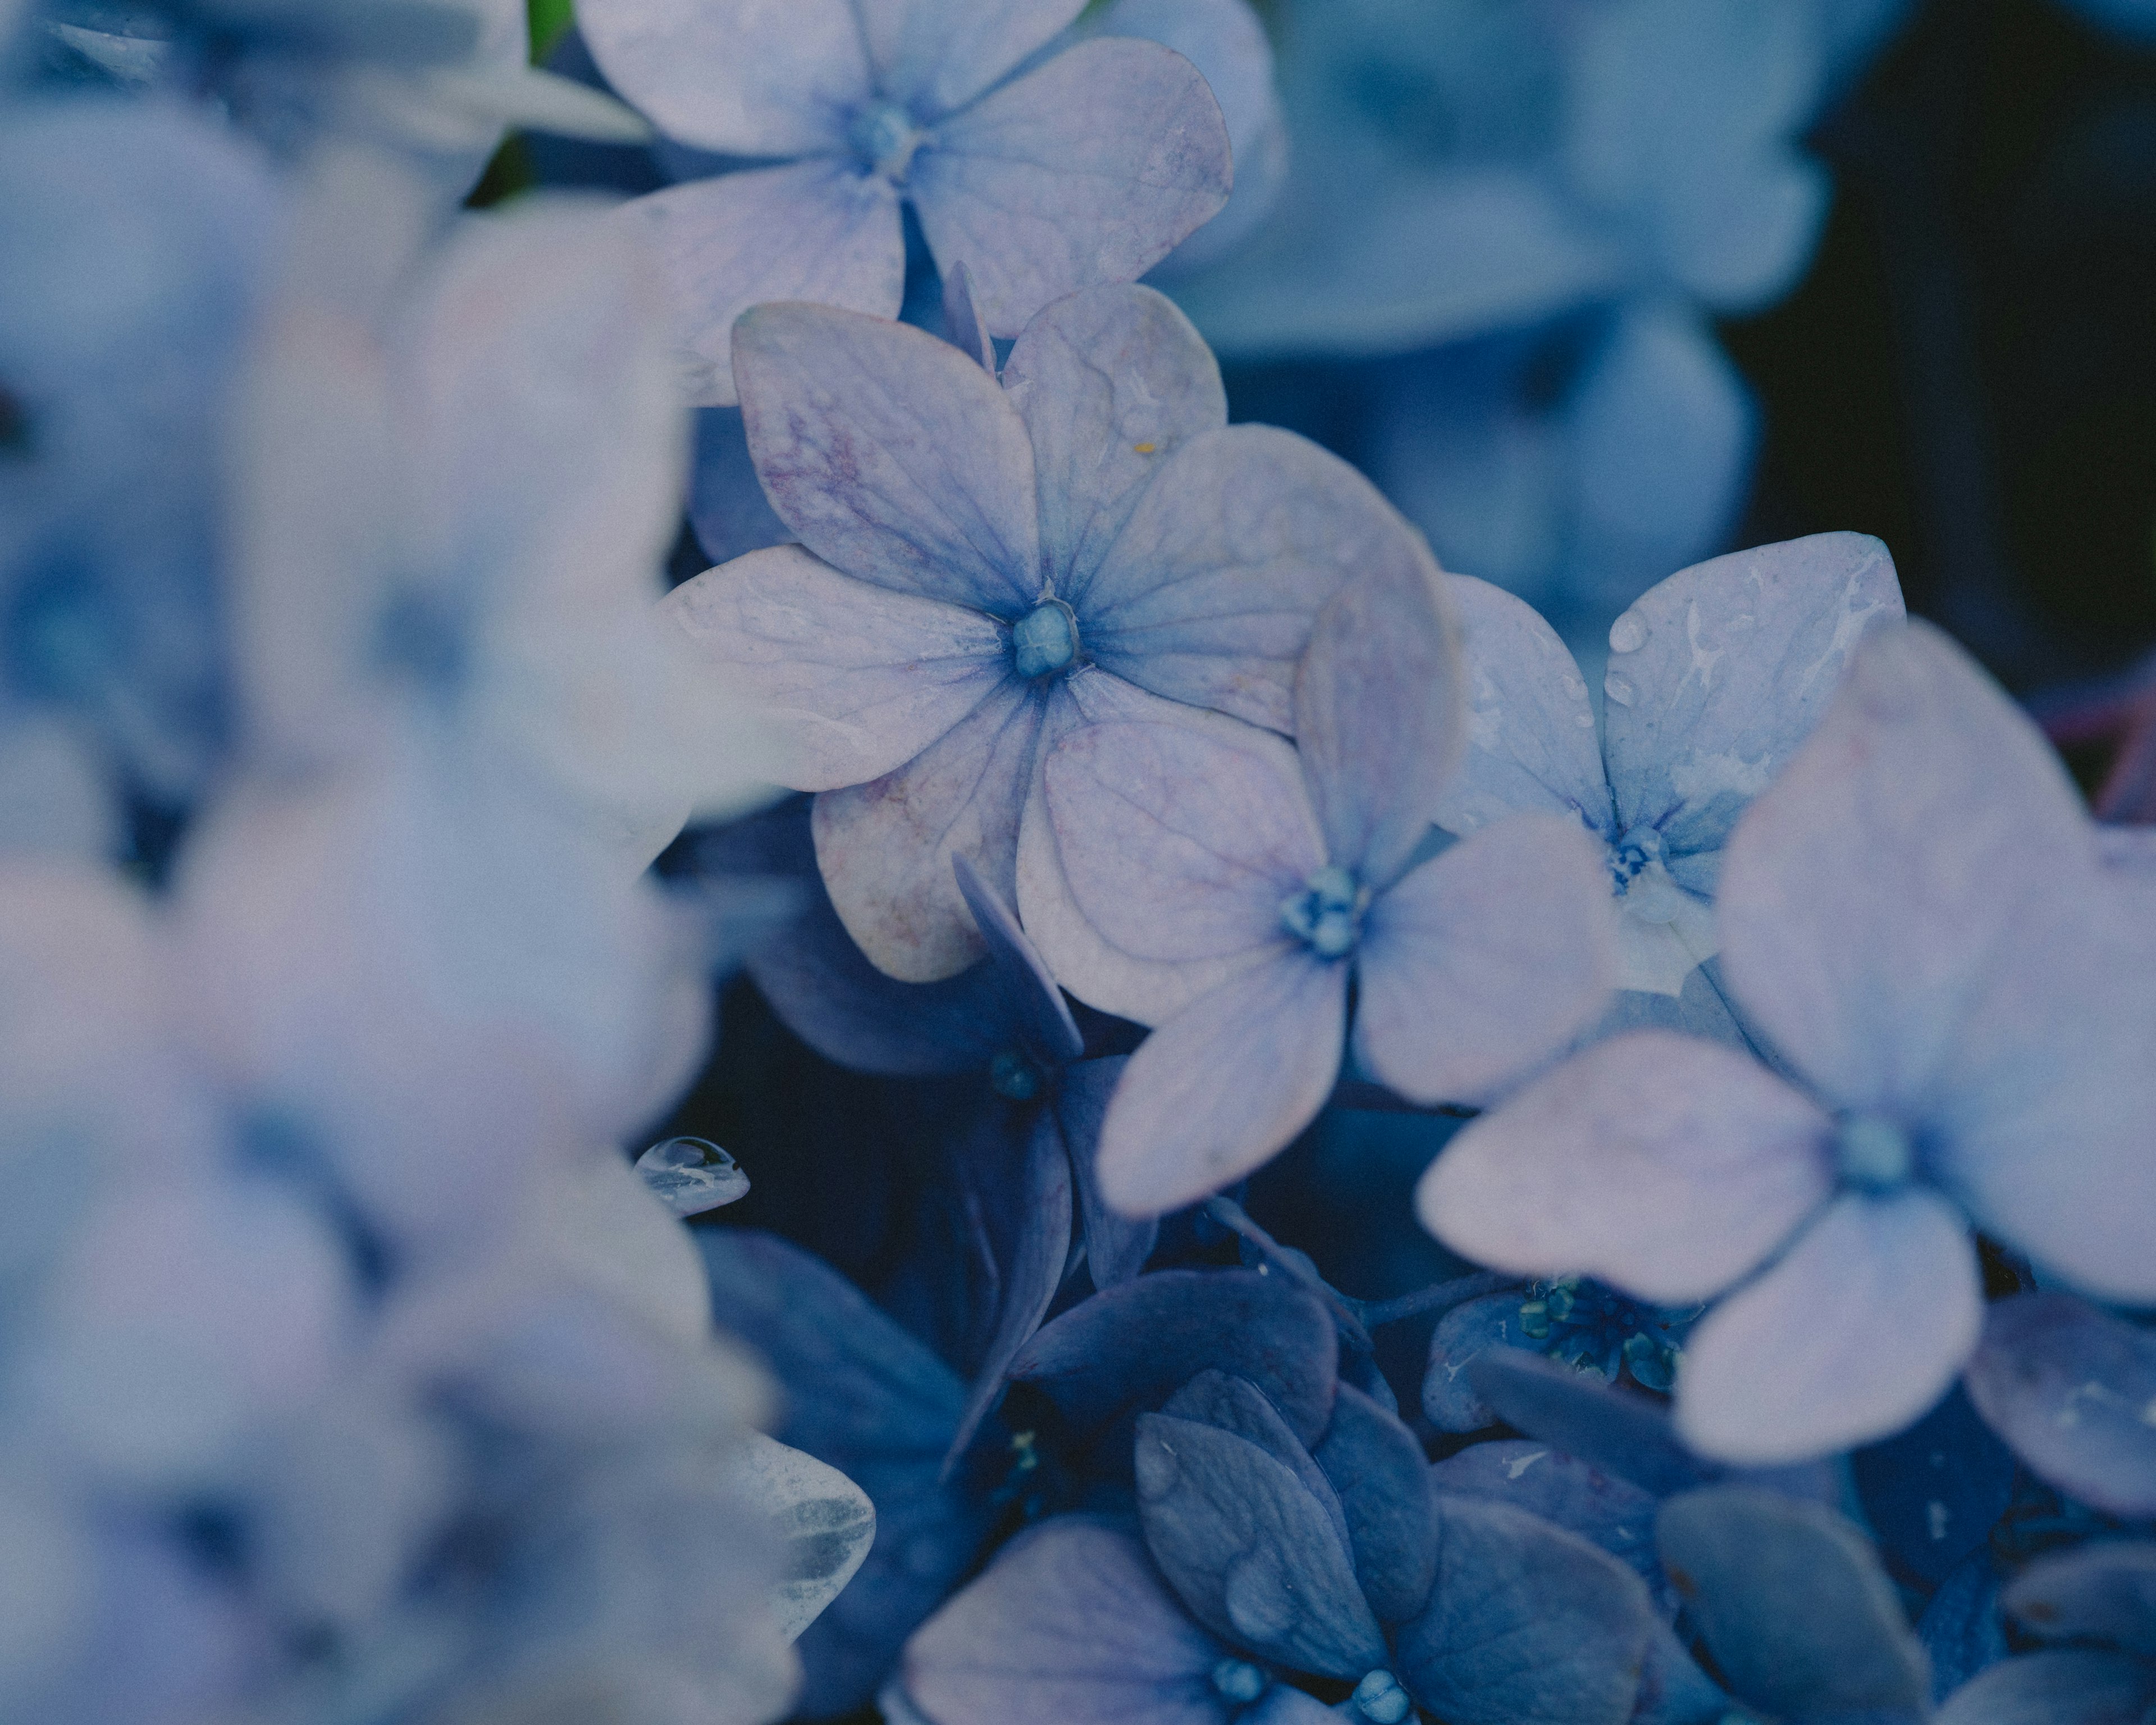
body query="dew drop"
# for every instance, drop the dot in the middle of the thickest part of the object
(1628, 634)
(1617, 688)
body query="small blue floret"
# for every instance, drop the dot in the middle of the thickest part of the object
(1238, 1680)
(885, 138)
(1044, 641)
(1872, 1153)
(1327, 914)
(1380, 1700)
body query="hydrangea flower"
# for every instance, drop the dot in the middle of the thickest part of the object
(1715, 676)
(1047, 167)
(1917, 917)
(985, 565)
(1263, 881)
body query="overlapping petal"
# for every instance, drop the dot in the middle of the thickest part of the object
(934, 56)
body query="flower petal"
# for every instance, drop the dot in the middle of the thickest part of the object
(1485, 961)
(2055, 1689)
(1665, 1166)
(1116, 1247)
(1464, 1334)
(825, 1520)
(1224, 1085)
(1531, 746)
(1034, 1002)
(1725, 669)
(935, 56)
(1208, 592)
(1376, 1467)
(1620, 1430)
(2072, 1389)
(1605, 1508)
(850, 680)
(1792, 1602)
(1110, 382)
(813, 230)
(885, 848)
(1379, 720)
(1857, 1330)
(744, 77)
(895, 457)
(1087, 170)
(2102, 1592)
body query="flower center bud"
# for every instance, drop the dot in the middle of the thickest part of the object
(1327, 915)
(1632, 855)
(884, 136)
(1380, 1699)
(1238, 1680)
(1044, 641)
(1872, 1153)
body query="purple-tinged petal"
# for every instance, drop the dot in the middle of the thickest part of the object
(1853, 1333)
(1379, 717)
(1230, 1404)
(1179, 842)
(726, 505)
(1526, 1625)
(1083, 958)
(1531, 748)
(963, 327)
(1070, 1623)
(1932, 1493)
(1463, 1335)
(744, 77)
(1207, 594)
(1249, 1550)
(1110, 382)
(1665, 1166)
(1035, 1005)
(1724, 669)
(2103, 1592)
(2072, 1389)
(885, 848)
(934, 56)
(895, 457)
(2056, 1689)
(1791, 1601)
(1485, 961)
(1131, 1346)
(1382, 1483)
(850, 680)
(1619, 1430)
(1087, 170)
(1116, 1247)
(1224, 1085)
(1605, 1508)
(808, 230)
(1865, 897)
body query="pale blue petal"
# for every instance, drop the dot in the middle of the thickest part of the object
(885, 848)
(1224, 1085)
(2056, 1689)
(1033, 1001)
(1725, 668)
(1605, 1508)
(1116, 1247)
(2070, 1388)
(1379, 717)
(963, 327)
(1665, 1166)
(1251, 1551)
(895, 457)
(1462, 1335)
(1132, 1345)
(1791, 1601)
(1485, 961)
(1850, 1335)
(935, 55)
(727, 504)
(1110, 382)
(2104, 1591)
(1087, 170)
(739, 76)
(1526, 1625)
(1377, 1469)
(1531, 748)
(1208, 595)
(849, 680)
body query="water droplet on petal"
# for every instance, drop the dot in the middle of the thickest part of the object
(690, 1176)
(1617, 688)
(1628, 634)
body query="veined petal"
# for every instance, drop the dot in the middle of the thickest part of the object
(885, 848)
(849, 680)
(1485, 960)
(1087, 170)
(1859, 1328)
(817, 230)
(934, 55)
(745, 77)
(1224, 1085)
(1665, 1166)
(895, 457)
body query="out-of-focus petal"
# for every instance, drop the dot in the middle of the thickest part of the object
(2101, 1592)
(1665, 1166)
(1853, 1332)
(2055, 1689)
(895, 457)
(825, 1520)
(1088, 169)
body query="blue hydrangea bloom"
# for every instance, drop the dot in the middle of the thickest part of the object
(986, 563)
(1917, 918)
(1045, 166)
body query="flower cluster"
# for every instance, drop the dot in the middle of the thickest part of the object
(1699, 1020)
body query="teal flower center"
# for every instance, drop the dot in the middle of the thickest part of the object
(1591, 1327)
(1327, 915)
(885, 138)
(1044, 641)
(1873, 1153)
(1379, 1698)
